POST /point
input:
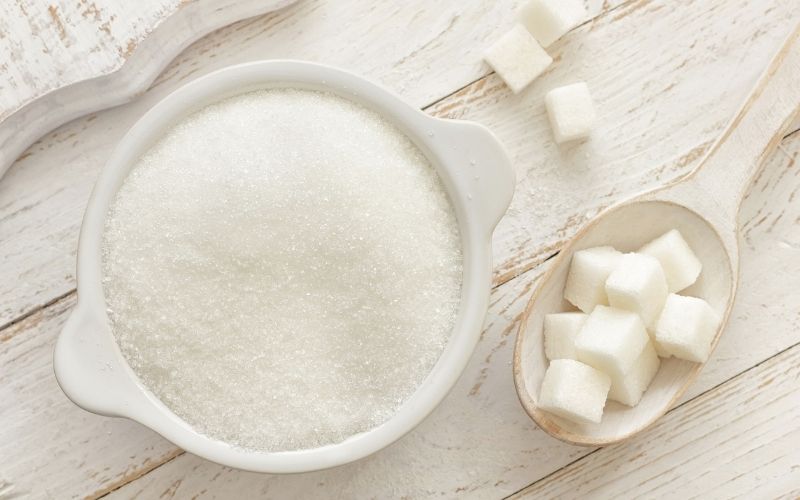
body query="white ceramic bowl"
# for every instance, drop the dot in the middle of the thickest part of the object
(479, 180)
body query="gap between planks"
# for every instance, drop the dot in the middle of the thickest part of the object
(156, 465)
(710, 390)
(491, 72)
(505, 278)
(172, 456)
(486, 73)
(705, 393)
(35, 310)
(520, 248)
(502, 280)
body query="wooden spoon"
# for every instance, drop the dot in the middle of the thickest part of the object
(704, 207)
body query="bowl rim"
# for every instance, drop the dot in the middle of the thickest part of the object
(478, 177)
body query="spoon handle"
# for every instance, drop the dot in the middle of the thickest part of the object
(716, 188)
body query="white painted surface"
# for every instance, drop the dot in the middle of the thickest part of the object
(704, 207)
(479, 442)
(664, 94)
(739, 441)
(64, 59)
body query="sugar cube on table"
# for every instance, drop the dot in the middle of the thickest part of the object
(518, 58)
(575, 391)
(560, 330)
(611, 340)
(687, 328)
(588, 272)
(571, 112)
(681, 265)
(638, 284)
(629, 388)
(549, 20)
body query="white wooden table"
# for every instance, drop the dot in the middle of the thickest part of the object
(667, 76)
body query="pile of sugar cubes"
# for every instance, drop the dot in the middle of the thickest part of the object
(630, 315)
(519, 58)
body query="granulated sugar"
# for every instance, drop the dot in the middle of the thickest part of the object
(282, 269)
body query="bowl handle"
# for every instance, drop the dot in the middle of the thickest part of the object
(87, 366)
(484, 170)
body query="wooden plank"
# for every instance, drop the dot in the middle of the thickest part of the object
(662, 101)
(768, 300)
(50, 448)
(479, 442)
(478, 437)
(64, 59)
(47, 45)
(42, 198)
(737, 441)
(43, 195)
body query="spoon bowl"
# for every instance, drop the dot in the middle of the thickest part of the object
(704, 207)
(626, 227)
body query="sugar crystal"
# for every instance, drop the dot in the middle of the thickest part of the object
(282, 269)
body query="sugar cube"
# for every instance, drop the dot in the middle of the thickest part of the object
(660, 351)
(681, 265)
(611, 340)
(518, 58)
(571, 112)
(687, 328)
(638, 284)
(549, 20)
(588, 272)
(560, 330)
(575, 391)
(628, 389)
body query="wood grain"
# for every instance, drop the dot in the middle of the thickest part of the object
(50, 448)
(739, 440)
(47, 45)
(704, 207)
(43, 196)
(478, 442)
(657, 118)
(661, 101)
(61, 59)
(65, 59)
(770, 237)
